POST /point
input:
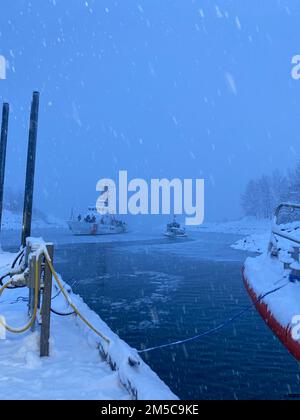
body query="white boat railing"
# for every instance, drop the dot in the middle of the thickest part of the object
(276, 232)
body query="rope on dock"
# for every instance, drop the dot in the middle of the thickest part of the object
(36, 301)
(55, 312)
(35, 308)
(14, 269)
(218, 328)
(75, 309)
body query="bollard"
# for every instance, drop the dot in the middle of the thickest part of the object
(44, 293)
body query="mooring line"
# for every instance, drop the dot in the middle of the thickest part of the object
(218, 328)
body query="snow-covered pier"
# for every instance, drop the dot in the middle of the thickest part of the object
(81, 365)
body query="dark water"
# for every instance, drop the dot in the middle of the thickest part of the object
(153, 292)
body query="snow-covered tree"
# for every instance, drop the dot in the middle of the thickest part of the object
(264, 194)
(13, 200)
(294, 184)
(249, 199)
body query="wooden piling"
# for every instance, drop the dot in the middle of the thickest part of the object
(31, 286)
(46, 305)
(3, 146)
(30, 171)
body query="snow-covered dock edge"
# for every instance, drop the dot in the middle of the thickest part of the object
(134, 375)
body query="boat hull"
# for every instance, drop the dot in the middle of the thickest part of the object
(283, 334)
(94, 229)
(174, 235)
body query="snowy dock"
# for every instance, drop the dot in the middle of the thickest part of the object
(81, 365)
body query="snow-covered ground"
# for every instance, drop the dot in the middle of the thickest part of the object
(256, 242)
(74, 369)
(13, 221)
(256, 233)
(244, 226)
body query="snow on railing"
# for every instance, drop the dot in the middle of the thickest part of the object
(288, 255)
(278, 232)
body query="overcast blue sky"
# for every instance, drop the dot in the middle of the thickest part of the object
(161, 88)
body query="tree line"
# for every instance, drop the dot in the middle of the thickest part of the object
(263, 195)
(14, 202)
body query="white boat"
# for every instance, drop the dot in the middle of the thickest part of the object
(174, 230)
(95, 224)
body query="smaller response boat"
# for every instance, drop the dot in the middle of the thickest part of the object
(174, 230)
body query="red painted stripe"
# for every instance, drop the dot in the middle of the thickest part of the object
(284, 334)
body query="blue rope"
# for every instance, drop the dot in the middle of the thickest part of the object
(20, 299)
(218, 328)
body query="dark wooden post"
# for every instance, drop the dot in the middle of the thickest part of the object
(30, 171)
(46, 306)
(31, 285)
(30, 279)
(3, 145)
